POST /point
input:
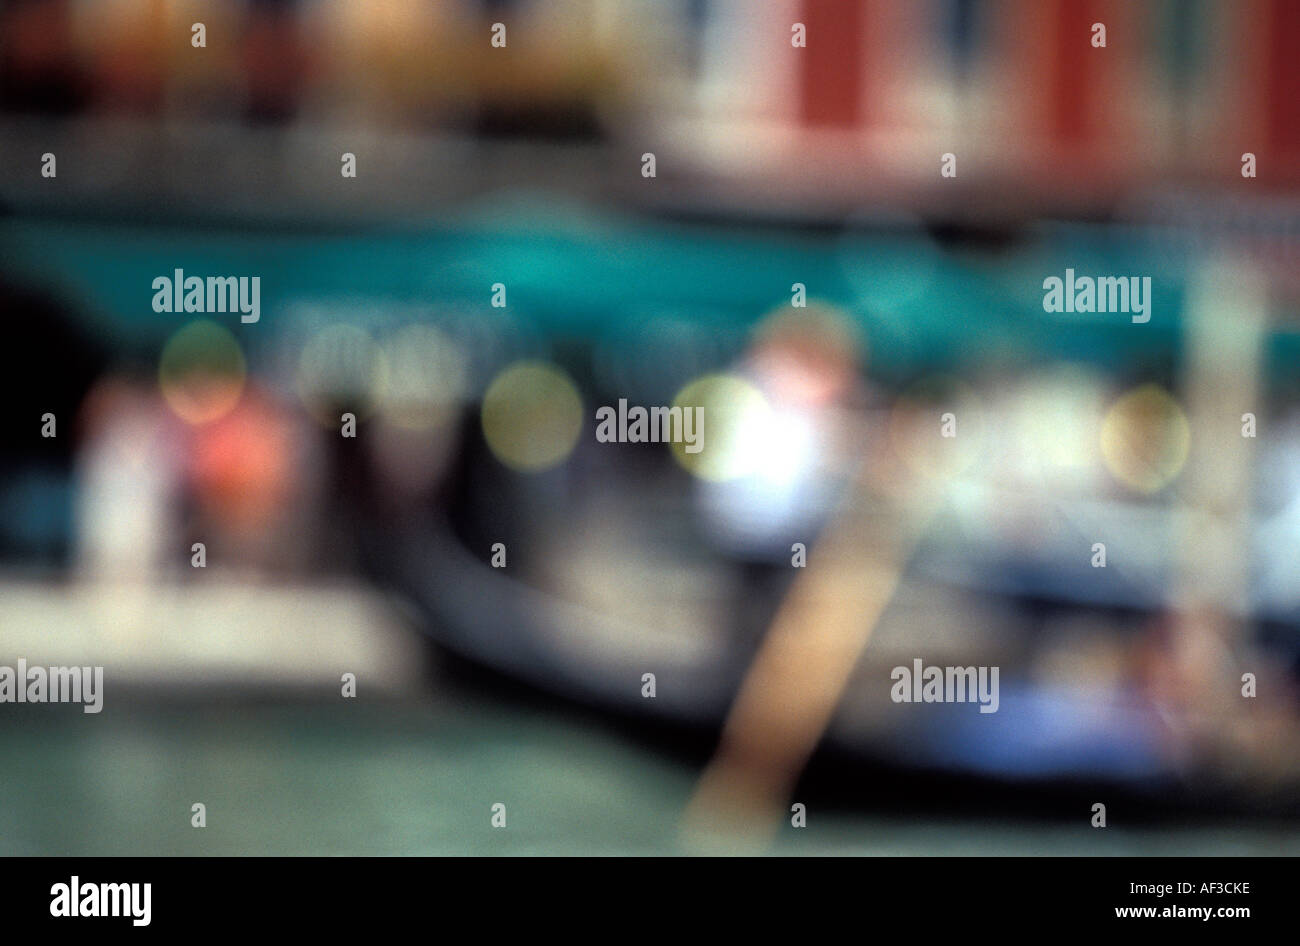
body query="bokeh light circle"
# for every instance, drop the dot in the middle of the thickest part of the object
(425, 379)
(1145, 439)
(202, 372)
(532, 416)
(737, 427)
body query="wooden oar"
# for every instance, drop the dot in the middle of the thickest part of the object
(804, 663)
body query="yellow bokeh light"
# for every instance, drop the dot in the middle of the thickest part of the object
(1145, 438)
(737, 429)
(532, 415)
(202, 372)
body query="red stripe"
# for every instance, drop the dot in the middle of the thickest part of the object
(830, 69)
(1282, 89)
(1074, 69)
